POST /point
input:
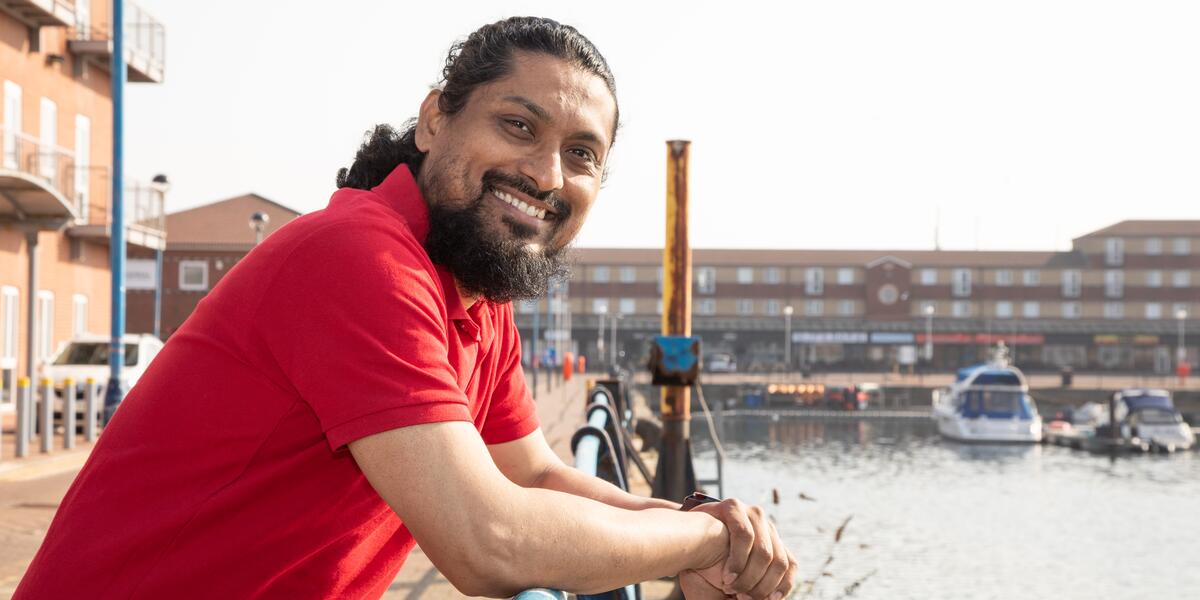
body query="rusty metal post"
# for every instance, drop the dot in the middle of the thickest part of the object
(675, 478)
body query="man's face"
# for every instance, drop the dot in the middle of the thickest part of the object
(522, 163)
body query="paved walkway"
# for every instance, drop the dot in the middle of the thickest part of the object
(32, 487)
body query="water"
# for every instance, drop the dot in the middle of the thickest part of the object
(936, 519)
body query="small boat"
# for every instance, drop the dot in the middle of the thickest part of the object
(1144, 414)
(988, 402)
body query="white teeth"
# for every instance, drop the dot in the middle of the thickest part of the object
(532, 211)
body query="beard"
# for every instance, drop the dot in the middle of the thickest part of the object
(493, 260)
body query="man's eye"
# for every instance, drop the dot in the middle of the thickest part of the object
(585, 154)
(519, 125)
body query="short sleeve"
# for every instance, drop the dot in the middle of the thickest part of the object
(356, 321)
(513, 414)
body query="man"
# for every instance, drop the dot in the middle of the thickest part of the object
(354, 385)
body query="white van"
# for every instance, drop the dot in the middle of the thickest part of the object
(87, 356)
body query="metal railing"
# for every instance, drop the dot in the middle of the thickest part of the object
(26, 154)
(144, 35)
(144, 206)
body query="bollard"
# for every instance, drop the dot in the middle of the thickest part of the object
(68, 414)
(90, 398)
(46, 414)
(24, 407)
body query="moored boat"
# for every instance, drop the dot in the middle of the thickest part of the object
(988, 402)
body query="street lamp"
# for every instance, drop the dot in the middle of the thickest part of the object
(258, 222)
(600, 334)
(1180, 349)
(161, 186)
(928, 332)
(616, 317)
(787, 337)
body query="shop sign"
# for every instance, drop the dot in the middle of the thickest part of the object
(1106, 340)
(985, 339)
(829, 337)
(888, 337)
(1145, 340)
(141, 274)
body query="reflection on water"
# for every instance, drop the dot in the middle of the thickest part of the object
(937, 519)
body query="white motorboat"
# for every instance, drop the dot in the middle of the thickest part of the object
(988, 402)
(1147, 414)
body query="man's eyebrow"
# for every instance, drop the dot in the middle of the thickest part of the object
(529, 105)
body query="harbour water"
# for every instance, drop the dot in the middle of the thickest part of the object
(931, 518)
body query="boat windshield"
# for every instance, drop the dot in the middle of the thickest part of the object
(1157, 416)
(995, 403)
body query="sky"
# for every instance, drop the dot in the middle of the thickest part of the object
(1014, 125)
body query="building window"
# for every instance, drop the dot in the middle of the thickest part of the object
(745, 275)
(928, 276)
(1004, 309)
(814, 281)
(600, 274)
(527, 307)
(745, 307)
(1031, 310)
(1154, 246)
(1181, 246)
(1181, 279)
(1114, 310)
(706, 280)
(1154, 279)
(1114, 283)
(1004, 277)
(12, 125)
(773, 309)
(706, 306)
(658, 306)
(773, 275)
(599, 306)
(814, 308)
(193, 275)
(1153, 310)
(1114, 252)
(79, 315)
(9, 322)
(846, 308)
(961, 282)
(628, 274)
(1071, 310)
(627, 306)
(1072, 283)
(961, 309)
(47, 160)
(44, 325)
(845, 276)
(1031, 277)
(83, 163)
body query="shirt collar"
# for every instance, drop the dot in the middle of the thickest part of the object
(400, 192)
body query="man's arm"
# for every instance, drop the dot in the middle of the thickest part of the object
(529, 462)
(492, 537)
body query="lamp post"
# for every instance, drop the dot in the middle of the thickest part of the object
(929, 333)
(161, 186)
(616, 317)
(1180, 349)
(258, 222)
(600, 354)
(787, 338)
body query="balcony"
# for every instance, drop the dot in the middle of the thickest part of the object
(41, 13)
(145, 46)
(145, 220)
(37, 182)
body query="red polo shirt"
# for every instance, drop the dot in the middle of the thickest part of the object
(225, 474)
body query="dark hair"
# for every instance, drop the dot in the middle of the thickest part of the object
(485, 56)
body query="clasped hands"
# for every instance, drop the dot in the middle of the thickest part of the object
(757, 565)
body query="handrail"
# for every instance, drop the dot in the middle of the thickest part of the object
(716, 440)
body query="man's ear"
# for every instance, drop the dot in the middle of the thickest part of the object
(429, 120)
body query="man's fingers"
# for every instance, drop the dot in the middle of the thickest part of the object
(741, 534)
(775, 572)
(789, 578)
(695, 587)
(761, 551)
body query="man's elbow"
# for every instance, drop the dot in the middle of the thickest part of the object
(492, 566)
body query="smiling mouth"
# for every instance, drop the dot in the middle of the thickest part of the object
(520, 205)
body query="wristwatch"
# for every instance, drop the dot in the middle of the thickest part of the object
(696, 499)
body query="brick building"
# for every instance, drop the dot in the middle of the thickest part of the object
(1112, 302)
(203, 244)
(55, 172)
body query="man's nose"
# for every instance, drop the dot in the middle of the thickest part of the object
(545, 169)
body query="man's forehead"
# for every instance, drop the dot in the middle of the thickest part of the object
(560, 93)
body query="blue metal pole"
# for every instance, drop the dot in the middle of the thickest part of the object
(115, 391)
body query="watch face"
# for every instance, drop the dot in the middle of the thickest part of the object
(888, 294)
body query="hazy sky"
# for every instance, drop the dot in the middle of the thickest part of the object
(830, 124)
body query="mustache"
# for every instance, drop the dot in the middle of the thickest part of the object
(492, 177)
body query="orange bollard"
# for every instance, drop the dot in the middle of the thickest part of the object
(568, 362)
(582, 366)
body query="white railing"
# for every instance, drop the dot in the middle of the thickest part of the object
(26, 154)
(144, 35)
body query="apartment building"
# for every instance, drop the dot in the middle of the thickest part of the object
(203, 244)
(55, 173)
(1117, 300)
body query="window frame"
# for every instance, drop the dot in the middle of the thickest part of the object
(188, 287)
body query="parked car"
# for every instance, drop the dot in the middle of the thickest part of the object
(87, 357)
(721, 362)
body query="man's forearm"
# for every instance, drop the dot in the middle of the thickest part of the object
(571, 481)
